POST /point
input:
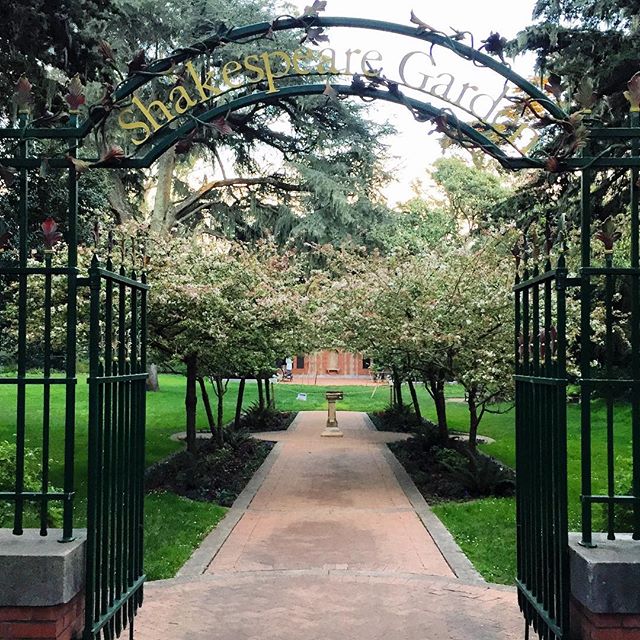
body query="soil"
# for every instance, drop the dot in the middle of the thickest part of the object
(213, 474)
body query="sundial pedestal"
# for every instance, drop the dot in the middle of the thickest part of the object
(332, 430)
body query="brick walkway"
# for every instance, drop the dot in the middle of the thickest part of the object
(329, 547)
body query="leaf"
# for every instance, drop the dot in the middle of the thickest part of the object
(633, 93)
(80, 165)
(608, 234)
(5, 237)
(585, 96)
(23, 95)
(422, 26)
(75, 96)
(106, 51)
(50, 232)
(554, 86)
(358, 83)
(495, 45)
(222, 126)
(330, 92)
(552, 164)
(112, 153)
(314, 9)
(315, 35)
(138, 63)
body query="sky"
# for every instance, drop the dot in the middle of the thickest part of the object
(413, 150)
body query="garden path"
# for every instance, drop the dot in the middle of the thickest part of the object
(333, 544)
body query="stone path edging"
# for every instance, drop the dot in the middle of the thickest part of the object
(453, 554)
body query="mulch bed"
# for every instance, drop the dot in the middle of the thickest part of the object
(213, 474)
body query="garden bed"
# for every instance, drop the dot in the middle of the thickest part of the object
(444, 472)
(214, 474)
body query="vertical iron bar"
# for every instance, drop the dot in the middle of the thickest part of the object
(141, 434)
(21, 409)
(634, 118)
(94, 445)
(70, 364)
(611, 488)
(585, 357)
(46, 400)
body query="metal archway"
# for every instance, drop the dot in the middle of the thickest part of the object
(115, 572)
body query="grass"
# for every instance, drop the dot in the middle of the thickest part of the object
(175, 525)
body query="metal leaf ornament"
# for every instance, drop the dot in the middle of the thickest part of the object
(585, 95)
(23, 95)
(495, 45)
(608, 235)
(222, 126)
(313, 10)
(315, 35)
(422, 26)
(633, 92)
(139, 62)
(51, 234)
(75, 96)
(106, 51)
(554, 86)
(8, 176)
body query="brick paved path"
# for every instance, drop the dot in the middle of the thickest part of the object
(330, 547)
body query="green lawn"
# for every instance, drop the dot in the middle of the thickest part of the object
(480, 527)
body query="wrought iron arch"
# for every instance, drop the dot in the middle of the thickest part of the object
(116, 381)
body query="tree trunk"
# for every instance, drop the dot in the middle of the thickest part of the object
(397, 383)
(220, 391)
(152, 378)
(414, 398)
(191, 401)
(162, 218)
(267, 391)
(207, 405)
(436, 387)
(260, 392)
(236, 422)
(474, 420)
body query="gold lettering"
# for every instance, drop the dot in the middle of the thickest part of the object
(350, 52)
(203, 86)
(327, 64)
(233, 66)
(494, 104)
(269, 71)
(403, 66)
(184, 101)
(146, 112)
(302, 55)
(367, 68)
(249, 65)
(445, 94)
(465, 87)
(133, 125)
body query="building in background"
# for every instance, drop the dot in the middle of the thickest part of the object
(335, 363)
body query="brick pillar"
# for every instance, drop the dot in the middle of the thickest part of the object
(605, 601)
(57, 622)
(41, 586)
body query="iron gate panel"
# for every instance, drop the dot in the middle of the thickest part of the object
(541, 452)
(115, 510)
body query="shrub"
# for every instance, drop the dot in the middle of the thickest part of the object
(397, 418)
(256, 418)
(483, 476)
(32, 482)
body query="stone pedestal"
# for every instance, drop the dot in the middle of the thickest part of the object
(41, 586)
(332, 430)
(605, 591)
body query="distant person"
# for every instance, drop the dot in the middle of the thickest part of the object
(288, 368)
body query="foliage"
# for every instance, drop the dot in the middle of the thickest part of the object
(32, 482)
(214, 474)
(400, 418)
(257, 418)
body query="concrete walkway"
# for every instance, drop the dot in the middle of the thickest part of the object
(332, 544)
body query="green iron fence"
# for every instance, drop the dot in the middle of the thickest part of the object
(541, 451)
(117, 378)
(605, 375)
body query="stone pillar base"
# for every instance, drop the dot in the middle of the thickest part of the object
(41, 586)
(604, 589)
